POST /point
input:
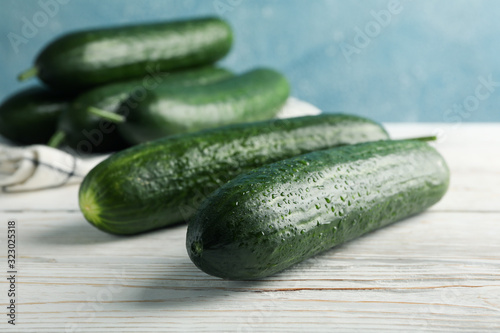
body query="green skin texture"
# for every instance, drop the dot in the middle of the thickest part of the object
(31, 116)
(95, 57)
(273, 217)
(77, 119)
(163, 182)
(253, 96)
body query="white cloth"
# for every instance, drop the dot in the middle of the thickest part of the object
(39, 167)
(297, 108)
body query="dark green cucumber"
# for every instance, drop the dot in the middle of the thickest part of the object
(163, 182)
(88, 133)
(254, 96)
(31, 116)
(280, 214)
(95, 57)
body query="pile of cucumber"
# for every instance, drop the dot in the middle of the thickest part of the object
(108, 89)
(259, 195)
(262, 196)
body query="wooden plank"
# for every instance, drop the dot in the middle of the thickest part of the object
(57, 199)
(437, 271)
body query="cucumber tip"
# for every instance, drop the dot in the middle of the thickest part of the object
(27, 74)
(90, 208)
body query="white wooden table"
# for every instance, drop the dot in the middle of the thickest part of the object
(438, 271)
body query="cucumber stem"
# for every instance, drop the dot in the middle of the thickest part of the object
(56, 139)
(28, 74)
(424, 138)
(110, 116)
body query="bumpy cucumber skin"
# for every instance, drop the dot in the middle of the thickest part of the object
(77, 120)
(31, 116)
(253, 96)
(163, 182)
(95, 57)
(275, 216)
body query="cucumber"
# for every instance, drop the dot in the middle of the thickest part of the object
(162, 182)
(31, 115)
(280, 214)
(253, 96)
(89, 133)
(95, 57)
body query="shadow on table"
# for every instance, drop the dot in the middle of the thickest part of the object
(76, 231)
(188, 287)
(191, 288)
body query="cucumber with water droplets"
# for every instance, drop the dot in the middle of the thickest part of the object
(273, 217)
(163, 182)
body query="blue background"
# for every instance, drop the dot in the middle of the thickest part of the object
(424, 64)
